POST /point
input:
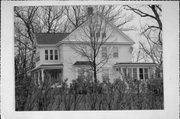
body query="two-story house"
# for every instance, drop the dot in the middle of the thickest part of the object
(57, 59)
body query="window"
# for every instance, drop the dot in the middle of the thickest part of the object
(103, 35)
(115, 51)
(92, 34)
(141, 76)
(56, 54)
(105, 74)
(124, 70)
(146, 73)
(46, 54)
(98, 34)
(104, 52)
(80, 73)
(84, 73)
(51, 54)
(135, 73)
(37, 56)
(130, 72)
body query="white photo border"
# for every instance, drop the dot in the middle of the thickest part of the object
(170, 56)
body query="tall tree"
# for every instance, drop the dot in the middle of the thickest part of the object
(76, 15)
(25, 18)
(51, 19)
(152, 32)
(91, 41)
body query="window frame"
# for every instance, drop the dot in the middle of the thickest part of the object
(51, 54)
(135, 74)
(146, 74)
(141, 73)
(46, 54)
(104, 52)
(115, 52)
(55, 54)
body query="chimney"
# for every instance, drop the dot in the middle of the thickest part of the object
(90, 11)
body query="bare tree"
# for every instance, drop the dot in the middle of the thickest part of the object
(152, 32)
(90, 40)
(51, 19)
(76, 15)
(25, 18)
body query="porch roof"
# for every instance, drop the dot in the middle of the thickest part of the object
(48, 66)
(80, 63)
(135, 64)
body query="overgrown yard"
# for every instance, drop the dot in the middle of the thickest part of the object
(84, 95)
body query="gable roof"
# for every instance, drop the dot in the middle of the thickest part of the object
(56, 38)
(129, 40)
(117, 29)
(50, 38)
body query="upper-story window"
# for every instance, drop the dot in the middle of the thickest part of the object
(104, 35)
(46, 54)
(115, 52)
(104, 52)
(37, 56)
(51, 54)
(56, 54)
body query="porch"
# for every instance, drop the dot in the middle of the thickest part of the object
(138, 71)
(50, 74)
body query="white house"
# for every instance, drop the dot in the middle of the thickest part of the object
(57, 57)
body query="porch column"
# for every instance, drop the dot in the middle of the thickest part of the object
(38, 75)
(138, 73)
(42, 73)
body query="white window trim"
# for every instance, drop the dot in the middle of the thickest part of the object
(104, 52)
(138, 73)
(56, 54)
(46, 54)
(115, 52)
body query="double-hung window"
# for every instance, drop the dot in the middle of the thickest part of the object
(130, 72)
(46, 54)
(146, 73)
(124, 70)
(51, 54)
(115, 52)
(55, 54)
(104, 52)
(37, 56)
(141, 72)
(135, 76)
